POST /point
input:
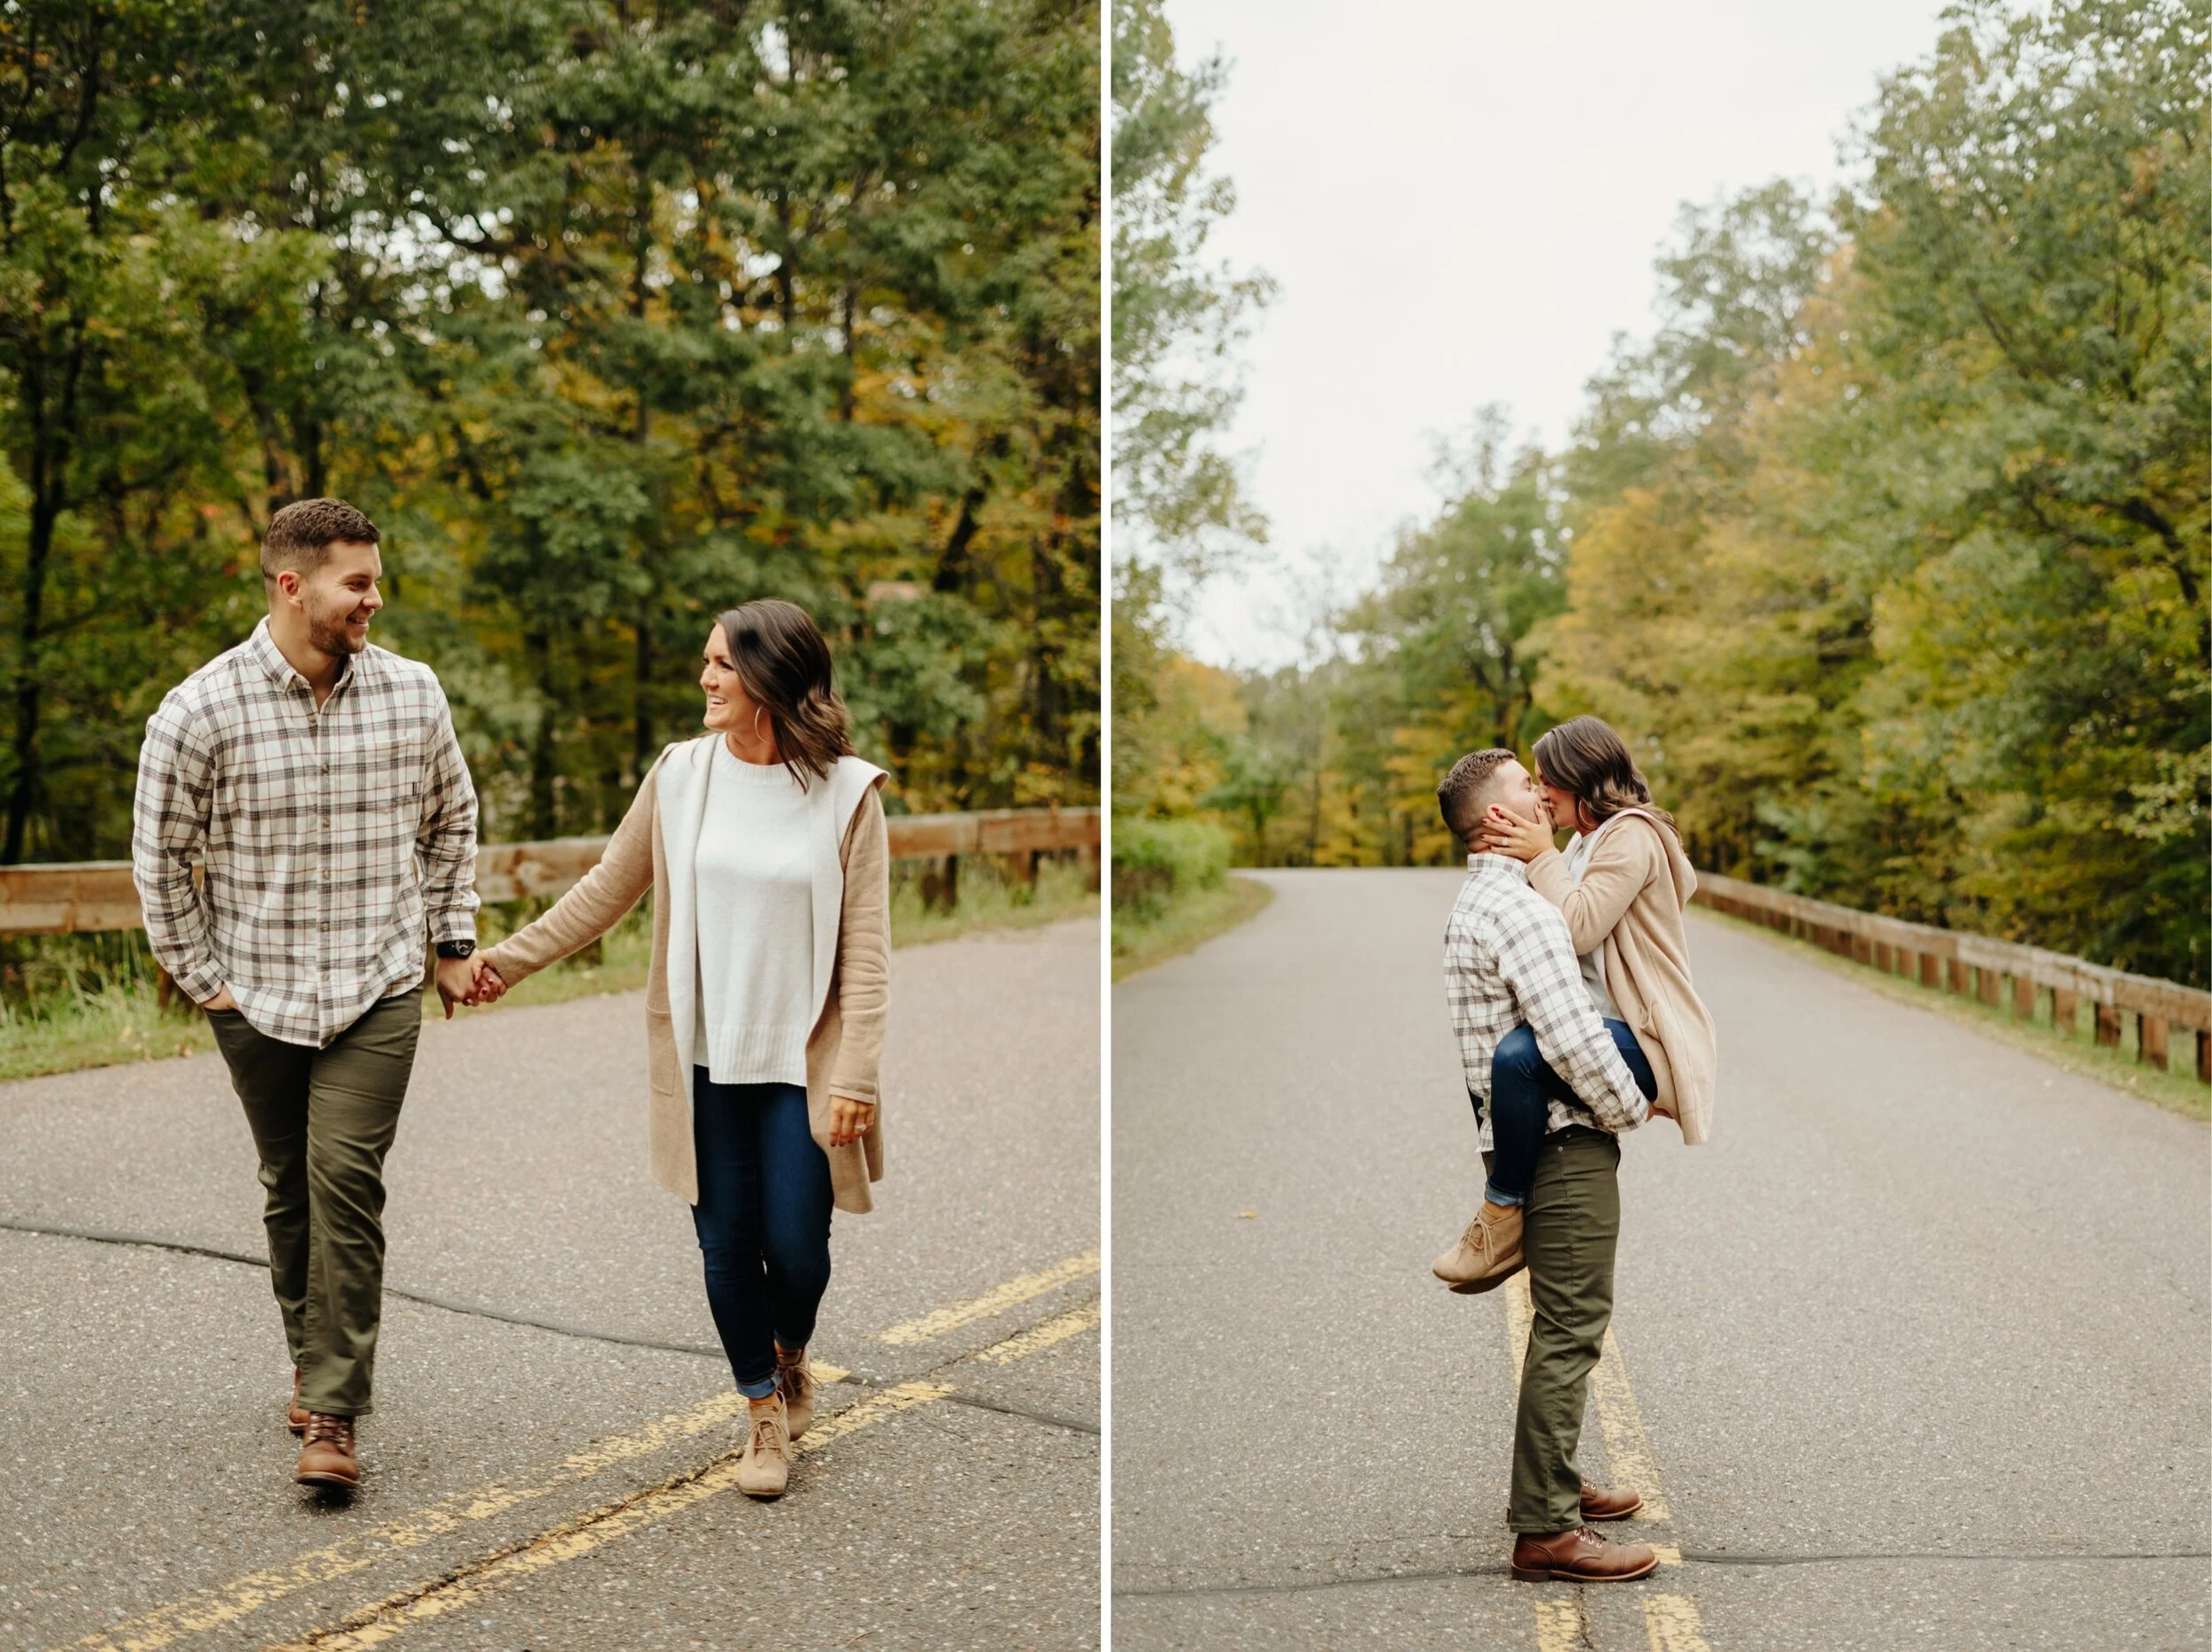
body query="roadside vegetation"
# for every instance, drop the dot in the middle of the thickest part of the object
(1172, 890)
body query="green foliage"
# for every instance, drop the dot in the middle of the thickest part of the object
(1178, 504)
(611, 317)
(1177, 320)
(1155, 861)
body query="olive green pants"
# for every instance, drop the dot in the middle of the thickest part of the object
(1571, 1228)
(322, 1121)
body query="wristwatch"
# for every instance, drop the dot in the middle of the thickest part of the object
(456, 949)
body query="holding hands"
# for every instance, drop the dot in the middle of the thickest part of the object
(1502, 833)
(471, 980)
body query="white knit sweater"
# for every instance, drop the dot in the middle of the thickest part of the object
(755, 907)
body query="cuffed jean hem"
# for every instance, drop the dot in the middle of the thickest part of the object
(1498, 1196)
(759, 1390)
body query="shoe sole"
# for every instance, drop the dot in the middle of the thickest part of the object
(1488, 1283)
(763, 1496)
(336, 1482)
(1548, 1575)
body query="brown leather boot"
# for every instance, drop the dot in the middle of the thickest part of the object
(295, 1414)
(327, 1456)
(1600, 1504)
(1581, 1557)
(796, 1382)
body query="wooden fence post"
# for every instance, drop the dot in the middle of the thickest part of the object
(1960, 984)
(2109, 1025)
(2023, 997)
(1881, 959)
(2150, 1040)
(1991, 985)
(2204, 1058)
(2065, 1010)
(1931, 970)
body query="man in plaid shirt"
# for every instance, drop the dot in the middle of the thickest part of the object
(314, 786)
(1509, 962)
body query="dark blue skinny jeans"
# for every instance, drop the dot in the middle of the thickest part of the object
(1522, 1086)
(763, 1221)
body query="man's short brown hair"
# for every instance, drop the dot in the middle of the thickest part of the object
(300, 535)
(1460, 793)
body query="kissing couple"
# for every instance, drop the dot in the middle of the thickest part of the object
(1567, 973)
(304, 833)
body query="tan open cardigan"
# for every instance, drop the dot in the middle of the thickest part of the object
(852, 961)
(1631, 899)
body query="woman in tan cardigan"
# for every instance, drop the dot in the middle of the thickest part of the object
(764, 845)
(1620, 884)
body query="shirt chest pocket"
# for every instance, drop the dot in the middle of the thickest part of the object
(377, 783)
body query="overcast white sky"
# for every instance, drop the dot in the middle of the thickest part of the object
(1461, 200)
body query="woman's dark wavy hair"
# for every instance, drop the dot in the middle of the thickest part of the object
(785, 665)
(1583, 756)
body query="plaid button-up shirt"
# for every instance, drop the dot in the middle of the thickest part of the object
(329, 839)
(1508, 961)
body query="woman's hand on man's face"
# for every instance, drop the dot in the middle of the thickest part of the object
(849, 1120)
(1501, 833)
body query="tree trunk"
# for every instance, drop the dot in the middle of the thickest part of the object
(30, 680)
(543, 822)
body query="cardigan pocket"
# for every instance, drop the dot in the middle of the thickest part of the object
(663, 1066)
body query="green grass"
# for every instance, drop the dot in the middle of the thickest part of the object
(1187, 920)
(2175, 1090)
(83, 1001)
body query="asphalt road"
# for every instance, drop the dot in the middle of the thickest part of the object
(560, 1488)
(1915, 1349)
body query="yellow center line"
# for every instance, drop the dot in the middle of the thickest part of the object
(1010, 1294)
(1073, 1323)
(241, 1597)
(211, 1608)
(1672, 1623)
(390, 1618)
(1561, 1627)
(1625, 1446)
(375, 1624)
(1627, 1449)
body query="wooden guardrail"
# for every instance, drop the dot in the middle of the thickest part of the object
(1993, 970)
(70, 897)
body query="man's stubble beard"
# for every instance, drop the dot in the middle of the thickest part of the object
(329, 636)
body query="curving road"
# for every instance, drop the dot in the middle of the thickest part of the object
(554, 1485)
(1915, 1351)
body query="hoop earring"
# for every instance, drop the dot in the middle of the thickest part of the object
(756, 713)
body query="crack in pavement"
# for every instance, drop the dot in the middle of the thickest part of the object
(1705, 1557)
(865, 1379)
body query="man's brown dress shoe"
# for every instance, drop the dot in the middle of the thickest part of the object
(1599, 1504)
(1581, 1557)
(295, 1416)
(326, 1454)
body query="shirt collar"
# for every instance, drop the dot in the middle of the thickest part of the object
(1483, 866)
(279, 670)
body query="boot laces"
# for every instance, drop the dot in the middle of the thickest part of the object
(337, 1430)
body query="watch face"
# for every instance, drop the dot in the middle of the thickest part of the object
(456, 949)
